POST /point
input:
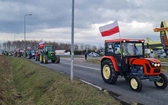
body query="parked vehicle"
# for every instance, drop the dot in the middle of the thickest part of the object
(163, 55)
(93, 54)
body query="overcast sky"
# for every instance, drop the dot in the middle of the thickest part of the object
(51, 19)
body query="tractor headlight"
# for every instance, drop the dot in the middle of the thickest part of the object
(155, 64)
(158, 64)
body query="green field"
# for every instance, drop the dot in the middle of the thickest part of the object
(25, 83)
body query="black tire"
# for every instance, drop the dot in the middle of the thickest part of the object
(57, 59)
(41, 58)
(36, 58)
(108, 73)
(45, 59)
(135, 83)
(126, 78)
(53, 61)
(29, 56)
(162, 84)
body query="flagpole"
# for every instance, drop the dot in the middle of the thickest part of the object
(120, 42)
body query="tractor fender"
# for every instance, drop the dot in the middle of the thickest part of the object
(112, 60)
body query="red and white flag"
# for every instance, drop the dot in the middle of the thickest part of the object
(109, 29)
(41, 45)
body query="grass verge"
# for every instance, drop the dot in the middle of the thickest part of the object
(93, 60)
(29, 84)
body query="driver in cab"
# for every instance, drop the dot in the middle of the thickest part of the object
(125, 49)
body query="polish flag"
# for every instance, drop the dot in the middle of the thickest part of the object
(109, 29)
(41, 45)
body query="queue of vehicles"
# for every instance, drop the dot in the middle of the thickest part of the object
(43, 53)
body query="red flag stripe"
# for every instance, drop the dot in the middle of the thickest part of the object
(110, 32)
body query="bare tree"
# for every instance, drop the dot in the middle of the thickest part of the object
(87, 47)
(94, 48)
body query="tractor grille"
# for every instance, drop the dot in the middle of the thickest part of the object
(156, 70)
(148, 68)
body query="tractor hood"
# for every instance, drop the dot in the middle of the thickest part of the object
(143, 60)
(51, 53)
(153, 60)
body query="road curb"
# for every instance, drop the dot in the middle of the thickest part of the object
(113, 94)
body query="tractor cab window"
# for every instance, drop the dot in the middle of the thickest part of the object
(110, 48)
(48, 48)
(134, 49)
(117, 48)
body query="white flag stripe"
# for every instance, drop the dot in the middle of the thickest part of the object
(108, 26)
(41, 43)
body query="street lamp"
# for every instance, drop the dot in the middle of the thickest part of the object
(72, 41)
(25, 31)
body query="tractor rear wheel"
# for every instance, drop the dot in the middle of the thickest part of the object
(41, 58)
(45, 60)
(162, 84)
(135, 83)
(108, 73)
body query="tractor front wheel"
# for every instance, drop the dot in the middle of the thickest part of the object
(57, 59)
(162, 83)
(108, 73)
(135, 83)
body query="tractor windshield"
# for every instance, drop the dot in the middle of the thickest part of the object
(49, 48)
(134, 49)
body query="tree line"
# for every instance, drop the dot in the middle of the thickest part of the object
(78, 48)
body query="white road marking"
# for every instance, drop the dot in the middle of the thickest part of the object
(98, 87)
(84, 66)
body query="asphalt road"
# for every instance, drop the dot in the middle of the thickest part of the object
(89, 72)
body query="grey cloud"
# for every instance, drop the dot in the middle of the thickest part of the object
(57, 13)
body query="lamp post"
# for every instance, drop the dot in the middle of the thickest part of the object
(25, 32)
(72, 41)
(14, 46)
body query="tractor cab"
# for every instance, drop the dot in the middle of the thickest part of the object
(124, 49)
(48, 48)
